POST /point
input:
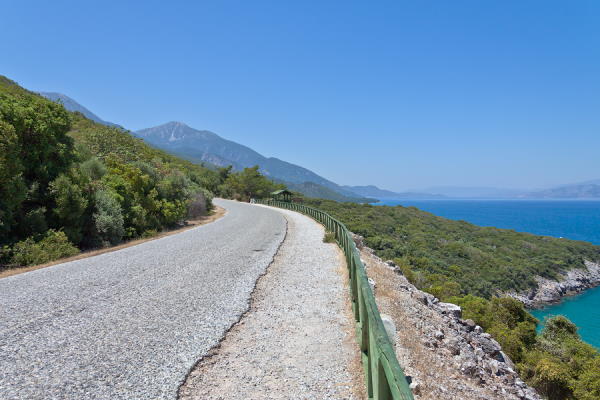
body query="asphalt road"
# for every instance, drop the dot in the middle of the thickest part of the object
(130, 324)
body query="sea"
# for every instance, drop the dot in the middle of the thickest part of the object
(571, 219)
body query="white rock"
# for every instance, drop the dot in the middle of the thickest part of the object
(390, 327)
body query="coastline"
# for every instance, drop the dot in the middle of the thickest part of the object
(550, 292)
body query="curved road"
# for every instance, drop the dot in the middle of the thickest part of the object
(130, 324)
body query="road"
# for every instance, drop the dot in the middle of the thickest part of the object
(130, 324)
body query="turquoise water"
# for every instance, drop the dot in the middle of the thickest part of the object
(583, 310)
(578, 220)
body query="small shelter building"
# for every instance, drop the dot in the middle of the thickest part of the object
(282, 195)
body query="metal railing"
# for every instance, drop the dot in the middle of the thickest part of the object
(383, 374)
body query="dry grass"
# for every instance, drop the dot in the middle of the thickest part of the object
(216, 214)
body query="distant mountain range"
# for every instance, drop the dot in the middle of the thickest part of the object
(583, 190)
(72, 105)
(467, 192)
(375, 192)
(203, 146)
(576, 191)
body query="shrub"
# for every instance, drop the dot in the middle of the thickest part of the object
(108, 218)
(93, 169)
(200, 204)
(149, 233)
(329, 237)
(52, 246)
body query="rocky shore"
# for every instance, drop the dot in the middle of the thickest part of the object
(550, 291)
(445, 356)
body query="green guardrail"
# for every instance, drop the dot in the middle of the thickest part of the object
(383, 375)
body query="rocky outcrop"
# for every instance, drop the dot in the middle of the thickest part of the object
(445, 356)
(550, 291)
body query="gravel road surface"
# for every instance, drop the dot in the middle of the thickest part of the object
(297, 340)
(130, 324)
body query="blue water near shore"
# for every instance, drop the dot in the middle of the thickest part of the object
(571, 219)
(583, 310)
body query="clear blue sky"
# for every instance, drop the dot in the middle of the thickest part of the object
(394, 93)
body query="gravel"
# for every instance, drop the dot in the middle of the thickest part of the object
(131, 324)
(297, 340)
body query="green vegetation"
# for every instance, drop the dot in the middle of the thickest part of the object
(68, 183)
(329, 237)
(247, 184)
(471, 266)
(436, 251)
(562, 366)
(52, 245)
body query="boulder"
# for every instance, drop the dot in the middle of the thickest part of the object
(453, 345)
(450, 309)
(372, 284)
(468, 368)
(469, 324)
(415, 387)
(390, 327)
(489, 346)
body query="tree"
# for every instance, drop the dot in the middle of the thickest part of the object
(70, 206)
(251, 183)
(34, 136)
(12, 187)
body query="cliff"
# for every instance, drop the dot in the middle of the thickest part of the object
(550, 291)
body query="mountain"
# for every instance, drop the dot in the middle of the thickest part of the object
(205, 146)
(374, 191)
(74, 106)
(476, 192)
(576, 191)
(583, 190)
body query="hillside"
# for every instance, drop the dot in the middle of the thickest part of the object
(68, 183)
(206, 146)
(482, 261)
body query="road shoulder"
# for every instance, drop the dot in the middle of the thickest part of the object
(297, 338)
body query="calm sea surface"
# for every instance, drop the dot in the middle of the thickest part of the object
(578, 220)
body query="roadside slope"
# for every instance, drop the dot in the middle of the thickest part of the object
(131, 323)
(447, 357)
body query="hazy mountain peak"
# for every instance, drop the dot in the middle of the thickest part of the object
(74, 106)
(173, 132)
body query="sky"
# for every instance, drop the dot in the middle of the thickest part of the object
(400, 94)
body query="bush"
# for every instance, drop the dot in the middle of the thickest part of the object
(93, 169)
(52, 246)
(200, 204)
(108, 218)
(329, 237)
